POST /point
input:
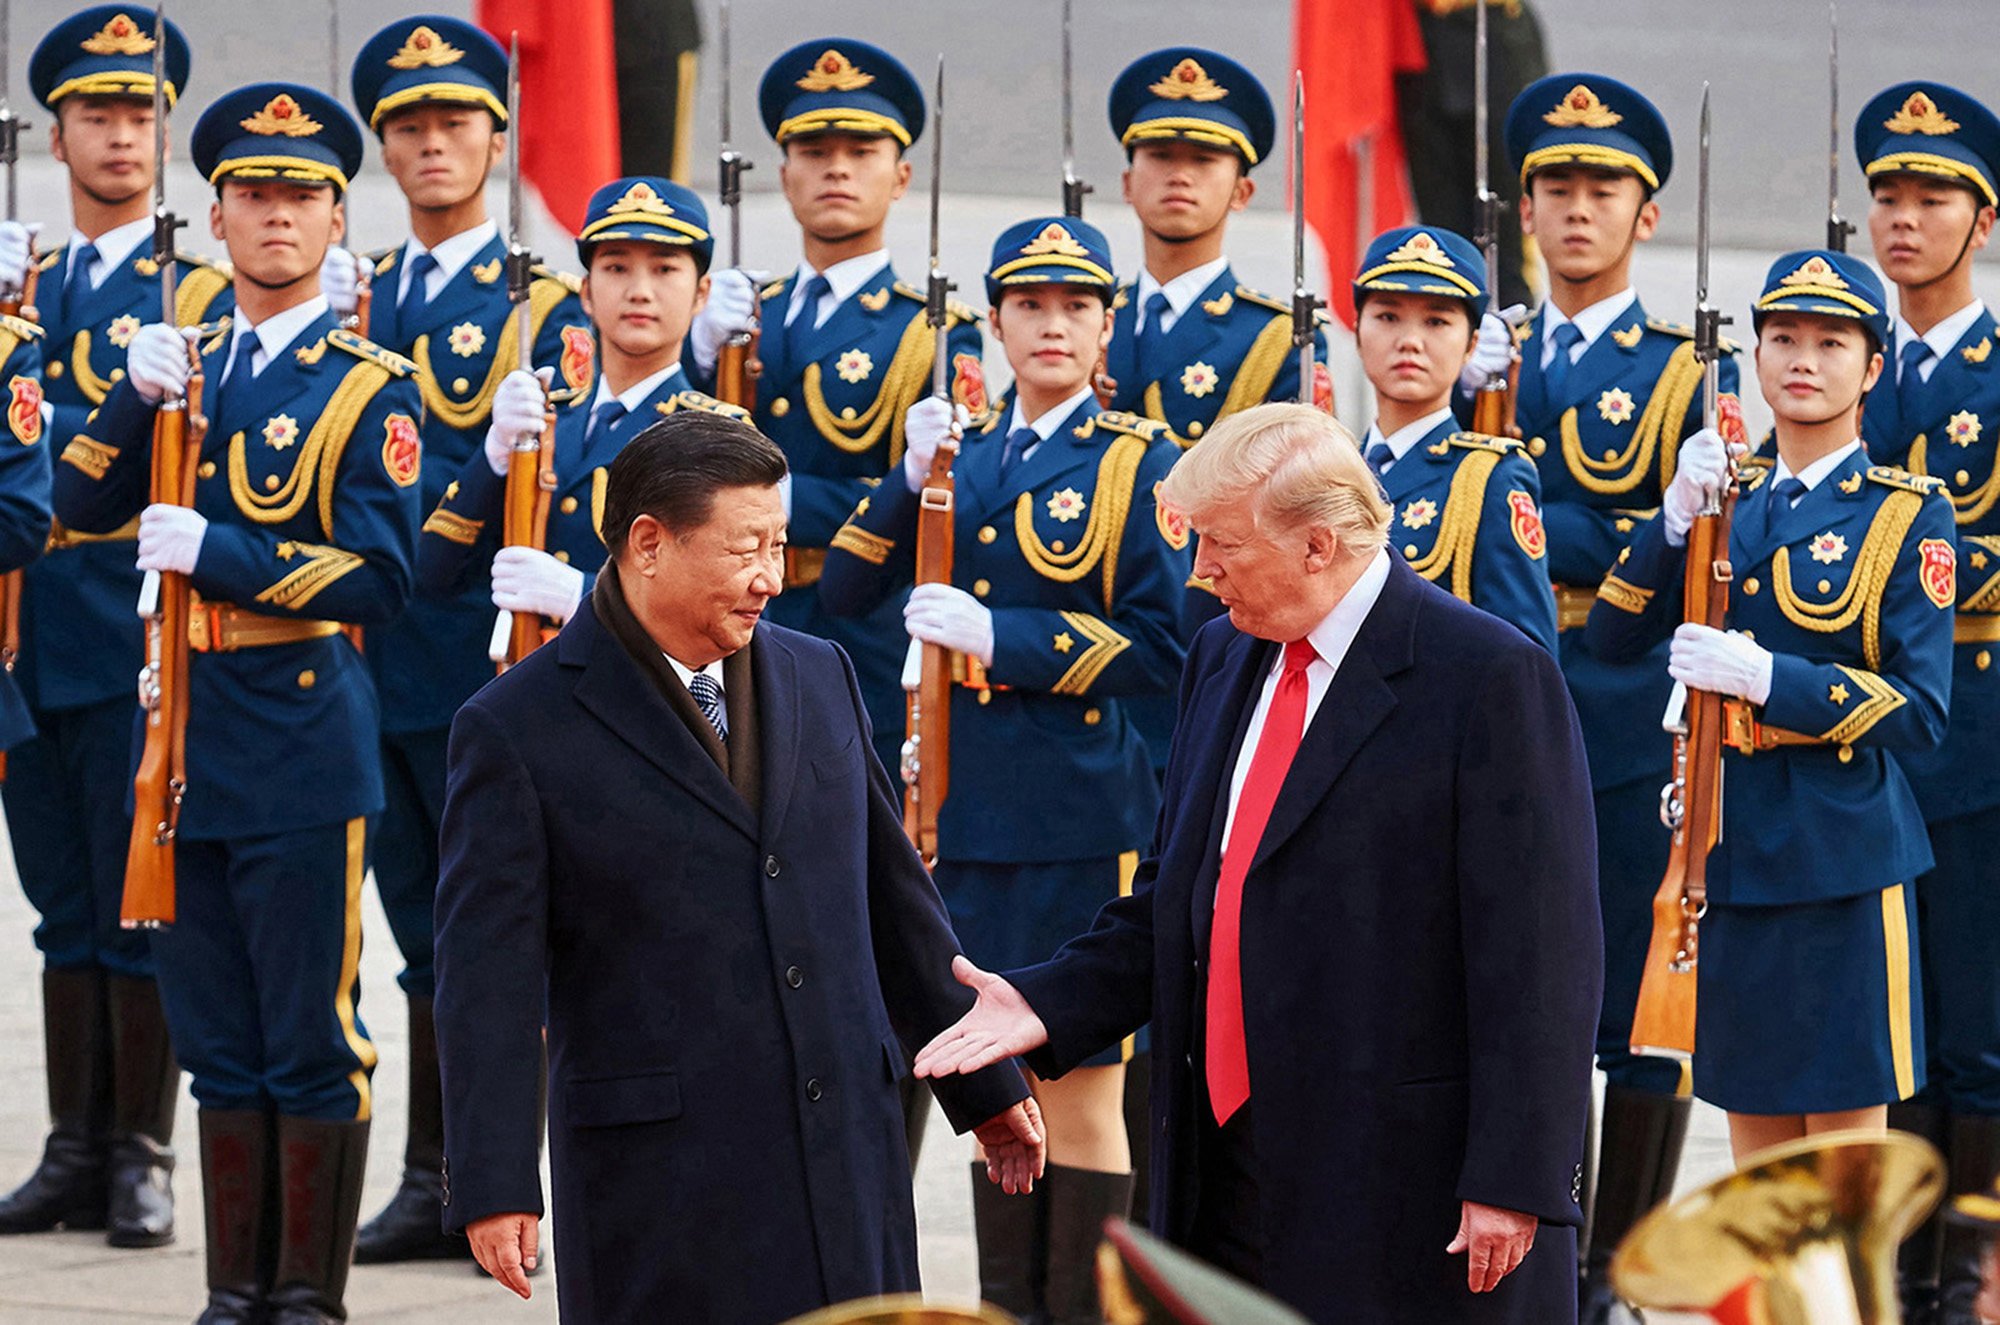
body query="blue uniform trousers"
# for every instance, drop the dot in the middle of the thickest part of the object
(66, 794)
(1631, 859)
(404, 853)
(260, 973)
(1958, 932)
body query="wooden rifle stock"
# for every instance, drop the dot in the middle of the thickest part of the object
(178, 432)
(1493, 405)
(22, 306)
(1663, 1020)
(737, 369)
(531, 481)
(927, 732)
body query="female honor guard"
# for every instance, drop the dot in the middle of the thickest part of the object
(645, 249)
(1063, 604)
(113, 1082)
(1838, 655)
(1466, 507)
(304, 521)
(1932, 155)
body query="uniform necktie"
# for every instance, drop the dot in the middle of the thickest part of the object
(241, 373)
(1910, 382)
(1379, 456)
(78, 284)
(1557, 377)
(1228, 1059)
(606, 414)
(1785, 494)
(1153, 332)
(798, 331)
(1018, 443)
(417, 296)
(708, 698)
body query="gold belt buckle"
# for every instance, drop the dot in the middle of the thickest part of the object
(203, 629)
(1740, 727)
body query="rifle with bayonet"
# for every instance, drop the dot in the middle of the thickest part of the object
(165, 597)
(1691, 805)
(1305, 304)
(926, 754)
(1838, 227)
(1073, 186)
(14, 303)
(737, 367)
(1493, 405)
(531, 469)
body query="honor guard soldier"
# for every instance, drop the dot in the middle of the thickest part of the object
(1466, 508)
(1835, 662)
(1932, 156)
(645, 248)
(112, 1078)
(1606, 394)
(845, 347)
(304, 520)
(1063, 604)
(434, 91)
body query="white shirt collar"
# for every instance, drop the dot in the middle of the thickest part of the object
(1942, 338)
(843, 278)
(687, 674)
(1408, 435)
(1181, 291)
(276, 332)
(451, 254)
(1593, 321)
(632, 397)
(1334, 635)
(1046, 425)
(115, 246)
(1812, 474)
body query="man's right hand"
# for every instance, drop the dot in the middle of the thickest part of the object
(1000, 1026)
(505, 1247)
(157, 362)
(925, 427)
(17, 244)
(518, 404)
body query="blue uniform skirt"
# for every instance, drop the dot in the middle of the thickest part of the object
(1812, 1008)
(1012, 914)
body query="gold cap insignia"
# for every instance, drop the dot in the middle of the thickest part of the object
(1581, 107)
(834, 72)
(283, 115)
(1054, 239)
(1420, 247)
(1188, 81)
(640, 200)
(1815, 271)
(1920, 115)
(121, 36)
(425, 49)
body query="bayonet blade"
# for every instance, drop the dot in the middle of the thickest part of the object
(1838, 227)
(1486, 202)
(1701, 235)
(164, 222)
(1708, 321)
(10, 123)
(333, 49)
(1305, 304)
(938, 289)
(731, 162)
(1073, 188)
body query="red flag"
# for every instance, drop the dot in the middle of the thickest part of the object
(1351, 52)
(569, 97)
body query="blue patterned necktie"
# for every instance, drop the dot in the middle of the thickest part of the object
(1785, 494)
(417, 297)
(602, 418)
(798, 331)
(1557, 376)
(708, 698)
(78, 283)
(1018, 443)
(1910, 382)
(1379, 456)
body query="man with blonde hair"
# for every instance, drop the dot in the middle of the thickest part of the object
(1371, 898)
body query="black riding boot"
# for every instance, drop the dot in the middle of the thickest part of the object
(1636, 1161)
(1975, 1158)
(1080, 1200)
(1012, 1233)
(411, 1226)
(69, 1187)
(320, 1165)
(236, 1169)
(1917, 1260)
(146, 1086)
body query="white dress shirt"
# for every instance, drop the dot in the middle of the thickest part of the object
(273, 334)
(1404, 437)
(1593, 322)
(1045, 424)
(843, 278)
(114, 248)
(1812, 474)
(1181, 291)
(633, 396)
(451, 254)
(687, 674)
(1942, 338)
(1331, 639)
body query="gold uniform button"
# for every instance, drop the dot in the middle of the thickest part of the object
(1410, 551)
(205, 470)
(848, 414)
(780, 408)
(980, 588)
(1826, 586)
(1846, 754)
(1537, 446)
(1750, 586)
(270, 482)
(117, 374)
(563, 557)
(987, 533)
(1057, 546)
(986, 696)
(1195, 429)
(1961, 478)
(1091, 717)
(568, 506)
(460, 385)
(54, 368)
(307, 679)
(1982, 660)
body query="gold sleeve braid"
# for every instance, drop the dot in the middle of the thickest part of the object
(1105, 645)
(1624, 595)
(1880, 699)
(1458, 526)
(543, 297)
(1104, 531)
(1967, 508)
(318, 461)
(453, 527)
(1658, 430)
(871, 548)
(1985, 598)
(322, 567)
(1862, 598)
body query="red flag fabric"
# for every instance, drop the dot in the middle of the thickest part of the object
(1351, 52)
(569, 97)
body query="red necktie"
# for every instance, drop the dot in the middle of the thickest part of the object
(1284, 725)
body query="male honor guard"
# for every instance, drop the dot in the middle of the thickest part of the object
(304, 521)
(434, 91)
(111, 1073)
(1606, 395)
(1932, 156)
(645, 248)
(845, 346)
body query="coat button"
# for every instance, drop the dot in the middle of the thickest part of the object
(987, 533)
(562, 556)
(568, 506)
(1750, 586)
(307, 679)
(794, 976)
(771, 867)
(53, 368)
(1982, 660)
(780, 408)
(461, 385)
(980, 588)
(813, 1091)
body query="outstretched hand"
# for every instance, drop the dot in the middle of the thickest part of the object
(1015, 1147)
(1000, 1026)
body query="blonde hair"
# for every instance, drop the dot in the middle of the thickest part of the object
(1296, 463)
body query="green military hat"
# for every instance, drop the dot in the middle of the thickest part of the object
(1143, 1281)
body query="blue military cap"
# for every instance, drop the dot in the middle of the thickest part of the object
(429, 60)
(1051, 250)
(277, 131)
(105, 51)
(839, 85)
(1829, 284)
(1199, 95)
(649, 210)
(1589, 120)
(1418, 259)
(1930, 129)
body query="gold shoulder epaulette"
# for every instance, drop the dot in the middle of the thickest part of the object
(573, 284)
(681, 400)
(1132, 425)
(1683, 331)
(1121, 296)
(361, 348)
(1890, 477)
(1479, 441)
(21, 327)
(567, 395)
(952, 307)
(1750, 475)
(1262, 300)
(49, 259)
(774, 289)
(187, 259)
(999, 410)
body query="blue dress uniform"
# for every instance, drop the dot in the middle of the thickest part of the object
(112, 1078)
(834, 392)
(1465, 508)
(308, 483)
(455, 553)
(24, 490)
(1809, 971)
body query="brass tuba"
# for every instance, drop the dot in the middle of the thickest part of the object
(902, 1309)
(1803, 1234)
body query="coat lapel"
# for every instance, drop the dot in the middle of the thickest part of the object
(1062, 452)
(460, 297)
(1121, 358)
(1245, 665)
(275, 390)
(1953, 384)
(1195, 333)
(778, 725)
(1419, 464)
(1534, 392)
(1608, 359)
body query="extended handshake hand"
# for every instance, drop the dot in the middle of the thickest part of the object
(1000, 1026)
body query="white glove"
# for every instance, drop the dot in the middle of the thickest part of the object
(170, 538)
(948, 615)
(925, 427)
(1722, 662)
(1703, 468)
(527, 580)
(340, 280)
(518, 406)
(731, 306)
(157, 362)
(17, 244)
(1494, 349)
